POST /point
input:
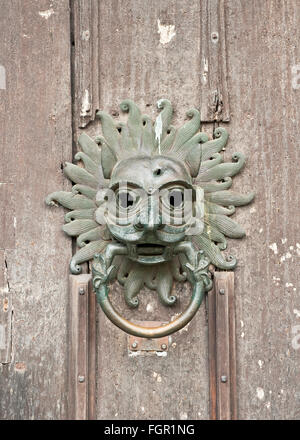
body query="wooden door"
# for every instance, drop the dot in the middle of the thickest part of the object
(236, 61)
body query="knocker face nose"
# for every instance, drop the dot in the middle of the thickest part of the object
(149, 219)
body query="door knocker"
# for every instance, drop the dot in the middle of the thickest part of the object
(151, 205)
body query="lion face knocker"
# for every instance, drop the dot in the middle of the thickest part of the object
(151, 206)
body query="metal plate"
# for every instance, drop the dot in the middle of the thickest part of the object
(148, 345)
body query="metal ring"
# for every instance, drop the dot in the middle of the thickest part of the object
(150, 332)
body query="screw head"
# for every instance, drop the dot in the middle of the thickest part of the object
(163, 346)
(224, 379)
(222, 291)
(81, 291)
(81, 379)
(134, 344)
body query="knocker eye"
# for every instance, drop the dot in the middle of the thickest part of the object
(126, 199)
(174, 199)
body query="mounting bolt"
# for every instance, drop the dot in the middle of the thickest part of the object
(224, 379)
(222, 291)
(81, 379)
(134, 344)
(163, 346)
(81, 291)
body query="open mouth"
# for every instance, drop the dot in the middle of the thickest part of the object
(147, 249)
(149, 253)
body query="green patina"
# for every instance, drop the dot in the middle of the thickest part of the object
(135, 246)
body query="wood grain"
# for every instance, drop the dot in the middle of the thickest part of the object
(82, 349)
(214, 100)
(7, 216)
(36, 138)
(131, 59)
(5, 312)
(136, 62)
(262, 46)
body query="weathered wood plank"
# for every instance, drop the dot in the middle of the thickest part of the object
(225, 348)
(214, 96)
(140, 60)
(82, 348)
(222, 349)
(36, 139)
(87, 67)
(262, 47)
(5, 312)
(7, 216)
(212, 361)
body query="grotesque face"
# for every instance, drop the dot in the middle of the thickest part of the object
(146, 187)
(151, 206)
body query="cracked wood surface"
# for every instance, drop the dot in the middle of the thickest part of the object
(136, 63)
(262, 47)
(36, 137)
(35, 116)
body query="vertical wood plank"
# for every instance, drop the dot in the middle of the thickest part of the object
(211, 308)
(263, 50)
(7, 216)
(36, 138)
(86, 40)
(92, 349)
(5, 312)
(82, 348)
(222, 357)
(214, 99)
(138, 61)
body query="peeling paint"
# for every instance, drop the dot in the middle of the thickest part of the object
(157, 376)
(274, 248)
(158, 130)
(149, 308)
(161, 353)
(286, 256)
(85, 104)
(260, 363)
(289, 284)
(2, 337)
(2, 78)
(260, 393)
(46, 14)
(85, 35)
(297, 313)
(166, 31)
(283, 240)
(205, 71)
